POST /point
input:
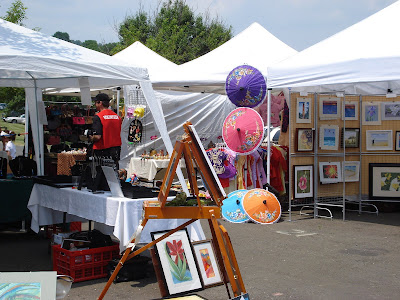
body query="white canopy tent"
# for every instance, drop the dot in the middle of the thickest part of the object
(31, 60)
(362, 59)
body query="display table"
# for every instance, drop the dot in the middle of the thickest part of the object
(66, 160)
(148, 168)
(117, 216)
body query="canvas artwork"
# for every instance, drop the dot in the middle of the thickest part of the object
(350, 137)
(304, 139)
(303, 180)
(330, 172)
(390, 110)
(303, 113)
(329, 108)
(351, 171)
(371, 113)
(177, 261)
(397, 141)
(379, 140)
(384, 181)
(329, 137)
(350, 110)
(208, 266)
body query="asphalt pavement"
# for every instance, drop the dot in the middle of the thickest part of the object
(305, 258)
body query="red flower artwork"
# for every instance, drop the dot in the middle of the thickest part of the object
(331, 171)
(175, 249)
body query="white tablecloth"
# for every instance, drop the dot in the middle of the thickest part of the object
(118, 216)
(147, 168)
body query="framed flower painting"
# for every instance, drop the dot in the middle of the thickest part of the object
(303, 180)
(390, 110)
(371, 113)
(330, 172)
(384, 181)
(177, 261)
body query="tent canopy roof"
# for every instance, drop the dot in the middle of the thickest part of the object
(362, 59)
(254, 46)
(26, 55)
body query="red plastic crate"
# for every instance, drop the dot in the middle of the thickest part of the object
(57, 228)
(85, 264)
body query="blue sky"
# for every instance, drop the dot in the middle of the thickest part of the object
(298, 23)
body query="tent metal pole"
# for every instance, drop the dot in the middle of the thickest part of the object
(118, 98)
(26, 136)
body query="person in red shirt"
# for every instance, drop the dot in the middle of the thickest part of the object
(106, 130)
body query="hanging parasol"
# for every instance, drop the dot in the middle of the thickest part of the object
(232, 209)
(243, 130)
(261, 206)
(245, 86)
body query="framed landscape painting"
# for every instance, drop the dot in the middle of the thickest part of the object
(303, 180)
(329, 108)
(390, 110)
(329, 137)
(303, 110)
(384, 181)
(351, 171)
(350, 110)
(207, 262)
(379, 140)
(350, 137)
(304, 139)
(371, 113)
(330, 172)
(177, 261)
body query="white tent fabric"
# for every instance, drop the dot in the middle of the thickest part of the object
(34, 61)
(362, 59)
(254, 46)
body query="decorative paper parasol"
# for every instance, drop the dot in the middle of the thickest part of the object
(232, 209)
(245, 86)
(243, 130)
(261, 206)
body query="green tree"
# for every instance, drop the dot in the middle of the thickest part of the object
(16, 13)
(174, 32)
(62, 36)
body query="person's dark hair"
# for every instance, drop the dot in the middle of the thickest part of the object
(12, 135)
(103, 98)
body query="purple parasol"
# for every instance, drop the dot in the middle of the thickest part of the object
(245, 86)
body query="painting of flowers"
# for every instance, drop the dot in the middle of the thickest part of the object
(208, 266)
(304, 139)
(330, 172)
(371, 113)
(390, 110)
(177, 261)
(384, 181)
(303, 181)
(303, 114)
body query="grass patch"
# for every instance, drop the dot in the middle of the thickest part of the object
(17, 128)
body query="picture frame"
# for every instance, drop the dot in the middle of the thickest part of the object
(329, 137)
(351, 171)
(330, 172)
(329, 108)
(304, 139)
(303, 181)
(378, 140)
(384, 181)
(371, 113)
(350, 138)
(397, 141)
(208, 265)
(303, 110)
(176, 255)
(390, 110)
(350, 111)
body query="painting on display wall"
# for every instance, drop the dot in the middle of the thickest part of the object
(304, 139)
(303, 110)
(329, 137)
(379, 140)
(390, 110)
(371, 113)
(351, 171)
(350, 137)
(350, 111)
(329, 108)
(384, 181)
(330, 172)
(303, 180)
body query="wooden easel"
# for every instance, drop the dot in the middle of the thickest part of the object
(192, 150)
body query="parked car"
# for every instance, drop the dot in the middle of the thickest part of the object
(20, 119)
(3, 106)
(275, 132)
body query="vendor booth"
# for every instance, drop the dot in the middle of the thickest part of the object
(344, 115)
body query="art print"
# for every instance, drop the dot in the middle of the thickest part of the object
(350, 137)
(384, 181)
(351, 171)
(329, 108)
(329, 137)
(390, 110)
(371, 113)
(397, 141)
(207, 262)
(303, 180)
(379, 140)
(177, 261)
(350, 110)
(330, 172)
(304, 139)
(303, 110)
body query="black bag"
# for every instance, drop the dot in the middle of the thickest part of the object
(95, 237)
(23, 166)
(132, 269)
